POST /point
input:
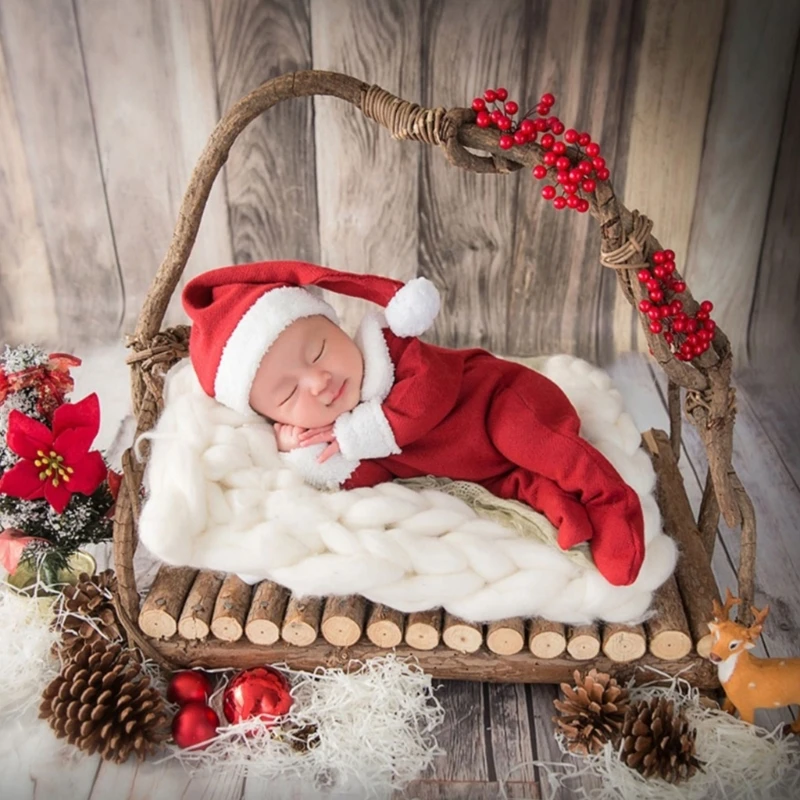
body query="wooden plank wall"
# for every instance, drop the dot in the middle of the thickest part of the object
(105, 105)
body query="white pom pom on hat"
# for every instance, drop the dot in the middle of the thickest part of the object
(238, 313)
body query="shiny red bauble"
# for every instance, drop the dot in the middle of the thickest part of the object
(259, 692)
(189, 686)
(194, 724)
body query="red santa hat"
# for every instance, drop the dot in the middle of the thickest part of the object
(238, 313)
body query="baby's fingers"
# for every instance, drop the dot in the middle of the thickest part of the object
(318, 438)
(331, 450)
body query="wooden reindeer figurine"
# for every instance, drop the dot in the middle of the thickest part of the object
(751, 682)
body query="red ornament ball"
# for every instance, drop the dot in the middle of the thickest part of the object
(527, 127)
(707, 306)
(506, 141)
(502, 93)
(559, 148)
(585, 139)
(571, 136)
(550, 159)
(189, 686)
(259, 692)
(194, 724)
(478, 104)
(547, 99)
(511, 107)
(583, 206)
(548, 192)
(592, 149)
(602, 174)
(490, 95)
(548, 140)
(559, 202)
(520, 137)
(539, 172)
(483, 120)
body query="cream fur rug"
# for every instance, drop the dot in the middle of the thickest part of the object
(220, 497)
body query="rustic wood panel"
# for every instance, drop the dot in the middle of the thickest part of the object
(561, 298)
(24, 315)
(366, 182)
(150, 74)
(271, 174)
(774, 331)
(467, 220)
(510, 734)
(738, 162)
(43, 57)
(667, 99)
(645, 397)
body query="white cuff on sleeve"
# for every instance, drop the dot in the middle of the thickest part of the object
(365, 432)
(331, 474)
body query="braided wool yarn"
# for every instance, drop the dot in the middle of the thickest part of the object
(219, 497)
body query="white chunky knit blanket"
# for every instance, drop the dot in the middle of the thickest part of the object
(220, 497)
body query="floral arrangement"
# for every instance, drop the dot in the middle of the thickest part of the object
(56, 493)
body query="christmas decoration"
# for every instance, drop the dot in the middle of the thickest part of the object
(55, 492)
(189, 686)
(576, 166)
(88, 612)
(658, 741)
(194, 724)
(687, 336)
(259, 692)
(103, 702)
(592, 712)
(750, 682)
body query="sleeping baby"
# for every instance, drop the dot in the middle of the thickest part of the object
(351, 412)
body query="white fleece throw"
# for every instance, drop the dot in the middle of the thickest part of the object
(221, 498)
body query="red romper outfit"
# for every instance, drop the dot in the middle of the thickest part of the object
(468, 415)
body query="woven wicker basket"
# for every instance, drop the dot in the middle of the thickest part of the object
(206, 618)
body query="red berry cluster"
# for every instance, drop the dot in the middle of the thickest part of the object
(572, 176)
(687, 337)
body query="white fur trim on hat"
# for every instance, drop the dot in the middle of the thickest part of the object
(413, 308)
(378, 367)
(365, 432)
(256, 332)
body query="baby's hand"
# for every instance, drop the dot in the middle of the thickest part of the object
(321, 436)
(287, 436)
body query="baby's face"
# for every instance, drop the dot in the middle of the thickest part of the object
(310, 375)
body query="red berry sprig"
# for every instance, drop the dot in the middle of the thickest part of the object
(687, 336)
(574, 176)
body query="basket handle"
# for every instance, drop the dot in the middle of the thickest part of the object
(405, 120)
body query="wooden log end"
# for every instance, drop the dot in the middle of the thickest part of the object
(671, 645)
(157, 624)
(505, 641)
(341, 631)
(193, 628)
(463, 638)
(704, 645)
(385, 633)
(299, 633)
(422, 636)
(548, 644)
(583, 646)
(227, 629)
(262, 631)
(625, 645)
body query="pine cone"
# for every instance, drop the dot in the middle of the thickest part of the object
(657, 741)
(90, 597)
(592, 712)
(103, 702)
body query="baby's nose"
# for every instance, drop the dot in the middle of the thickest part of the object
(318, 381)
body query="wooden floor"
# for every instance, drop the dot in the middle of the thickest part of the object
(492, 732)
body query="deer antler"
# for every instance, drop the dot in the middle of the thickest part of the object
(721, 612)
(758, 622)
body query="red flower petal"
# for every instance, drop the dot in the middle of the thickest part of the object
(89, 473)
(85, 414)
(12, 545)
(23, 481)
(58, 496)
(74, 444)
(26, 435)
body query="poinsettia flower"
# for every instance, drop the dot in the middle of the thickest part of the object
(57, 463)
(12, 545)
